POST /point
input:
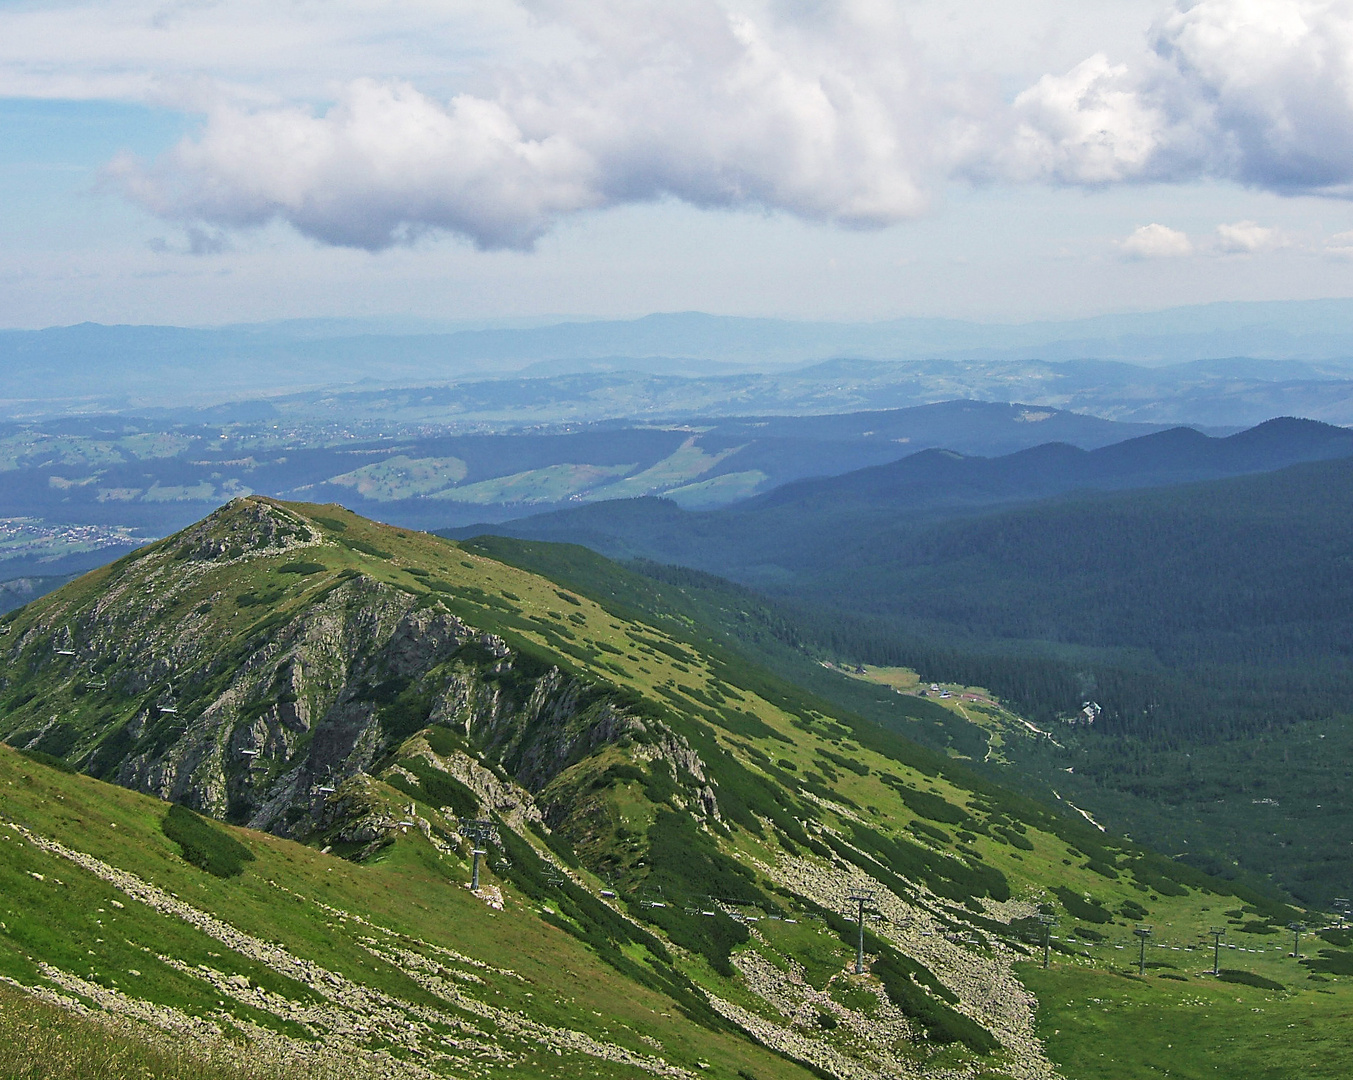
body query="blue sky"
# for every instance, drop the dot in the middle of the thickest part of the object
(199, 163)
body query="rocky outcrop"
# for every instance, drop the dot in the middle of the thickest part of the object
(249, 726)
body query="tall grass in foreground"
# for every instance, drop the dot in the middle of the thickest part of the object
(39, 1041)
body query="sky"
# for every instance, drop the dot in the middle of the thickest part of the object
(201, 162)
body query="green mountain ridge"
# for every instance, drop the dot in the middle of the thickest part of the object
(1208, 620)
(670, 836)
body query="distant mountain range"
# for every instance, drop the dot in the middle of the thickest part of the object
(810, 526)
(90, 365)
(156, 474)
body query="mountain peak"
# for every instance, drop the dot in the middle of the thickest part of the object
(250, 526)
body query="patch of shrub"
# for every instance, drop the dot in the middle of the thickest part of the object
(49, 760)
(443, 740)
(713, 937)
(303, 568)
(746, 724)
(256, 599)
(688, 865)
(929, 831)
(1079, 908)
(926, 805)
(366, 548)
(205, 845)
(58, 740)
(941, 1022)
(1016, 839)
(1331, 962)
(1249, 978)
(859, 768)
(440, 790)
(675, 652)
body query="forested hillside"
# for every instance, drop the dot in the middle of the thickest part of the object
(1210, 622)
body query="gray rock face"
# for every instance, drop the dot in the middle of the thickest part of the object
(320, 688)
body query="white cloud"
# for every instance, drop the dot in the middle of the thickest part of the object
(370, 125)
(1156, 242)
(1247, 237)
(823, 116)
(1256, 91)
(1089, 126)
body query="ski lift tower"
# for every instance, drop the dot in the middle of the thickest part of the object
(1296, 929)
(1217, 932)
(1048, 919)
(860, 897)
(479, 832)
(1142, 932)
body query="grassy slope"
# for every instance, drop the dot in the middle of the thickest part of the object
(67, 919)
(1114, 1027)
(1180, 924)
(792, 741)
(41, 1041)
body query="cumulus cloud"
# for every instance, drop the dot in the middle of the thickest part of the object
(1089, 126)
(819, 112)
(1156, 241)
(822, 109)
(1256, 91)
(1247, 237)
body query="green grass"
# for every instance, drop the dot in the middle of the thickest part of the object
(39, 1041)
(50, 908)
(1103, 1026)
